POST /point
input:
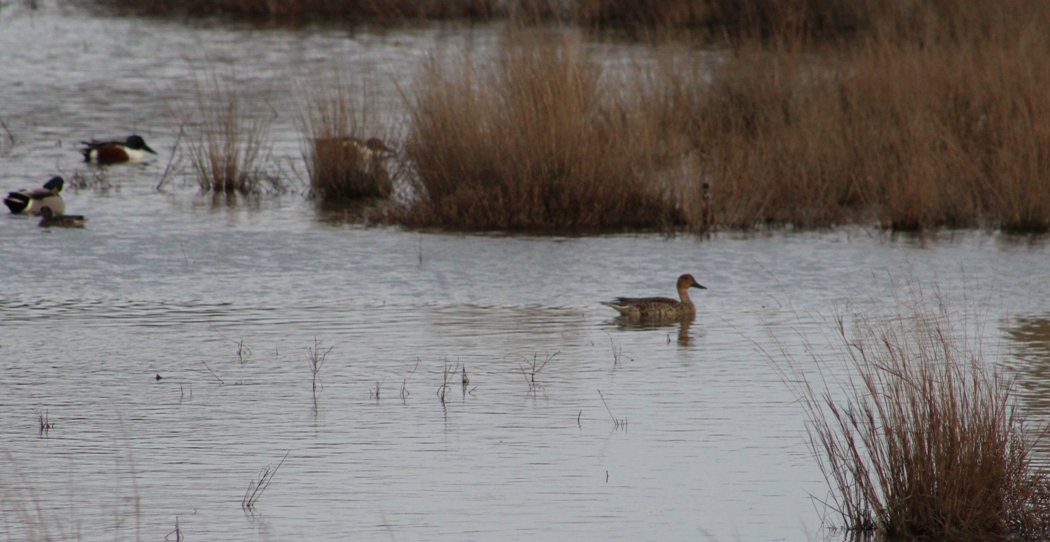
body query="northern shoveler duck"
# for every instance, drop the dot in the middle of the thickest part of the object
(653, 309)
(134, 149)
(48, 219)
(31, 201)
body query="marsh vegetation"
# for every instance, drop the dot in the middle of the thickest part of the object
(908, 115)
(924, 439)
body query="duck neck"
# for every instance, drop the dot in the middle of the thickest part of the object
(683, 293)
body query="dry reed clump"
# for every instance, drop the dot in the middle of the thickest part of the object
(226, 133)
(343, 157)
(925, 440)
(947, 131)
(529, 142)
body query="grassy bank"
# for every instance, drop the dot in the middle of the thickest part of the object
(924, 441)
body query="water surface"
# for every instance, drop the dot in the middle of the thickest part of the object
(697, 437)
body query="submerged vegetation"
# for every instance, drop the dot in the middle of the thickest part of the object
(924, 440)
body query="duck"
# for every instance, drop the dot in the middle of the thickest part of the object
(367, 150)
(49, 219)
(133, 149)
(31, 201)
(372, 147)
(655, 309)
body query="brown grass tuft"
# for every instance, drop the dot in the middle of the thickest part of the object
(530, 142)
(345, 159)
(943, 129)
(925, 440)
(226, 133)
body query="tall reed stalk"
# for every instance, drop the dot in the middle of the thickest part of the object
(925, 440)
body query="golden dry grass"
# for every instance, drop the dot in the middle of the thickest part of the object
(338, 119)
(909, 114)
(912, 134)
(530, 141)
(227, 130)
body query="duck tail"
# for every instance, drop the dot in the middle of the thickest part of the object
(16, 202)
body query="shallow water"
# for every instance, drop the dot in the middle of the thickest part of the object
(693, 434)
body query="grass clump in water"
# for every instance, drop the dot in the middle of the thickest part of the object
(227, 134)
(918, 125)
(529, 142)
(925, 440)
(344, 159)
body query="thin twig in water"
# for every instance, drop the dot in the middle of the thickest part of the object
(176, 532)
(256, 488)
(10, 136)
(184, 257)
(45, 424)
(242, 349)
(171, 157)
(617, 350)
(617, 424)
(450, 372)
(404, 383)
(316, 360)
(534, 369)
(221, 383)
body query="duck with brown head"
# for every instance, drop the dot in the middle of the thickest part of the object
(48, 219)
(659, 309)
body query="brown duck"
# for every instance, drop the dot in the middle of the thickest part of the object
(656, 309)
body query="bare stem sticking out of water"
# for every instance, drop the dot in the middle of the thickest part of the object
(171, 158)
(177, 533)
(7, 132)
(316, 358)
(257, 487)
(243, 352)
(617, 423)
(404, 383)
(221, 383)
(617, 351)
(375, 392)
(449, 373)
(533, 368)
(45, 424)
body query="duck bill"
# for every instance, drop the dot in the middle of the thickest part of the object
(147, 149)
(697, 285)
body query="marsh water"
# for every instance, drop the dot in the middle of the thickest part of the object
(167, 345)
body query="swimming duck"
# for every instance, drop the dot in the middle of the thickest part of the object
(134, 149)
(49, 219)
(649, 309)
(31, 201)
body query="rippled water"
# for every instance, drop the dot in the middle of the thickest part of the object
(222, 302)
